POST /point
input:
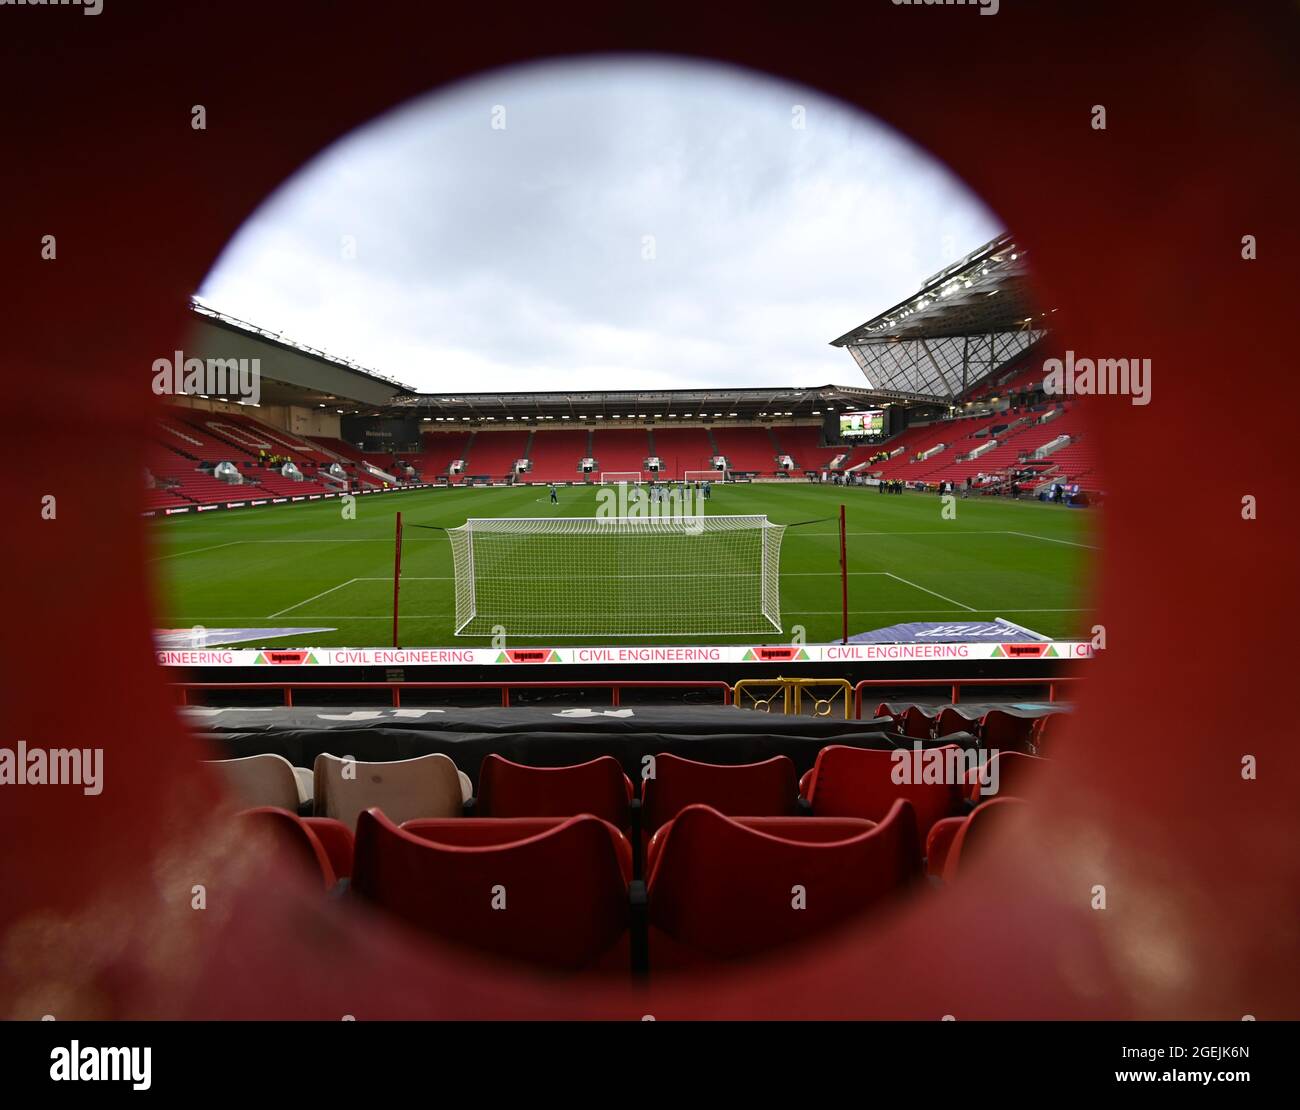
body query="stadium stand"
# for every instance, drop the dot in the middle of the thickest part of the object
(261, 437)
(699, 872)
(620, 450)
(683, 449)
(556, 456)
(439, 451)
(746, 449)
(802, 442)
(494, 454)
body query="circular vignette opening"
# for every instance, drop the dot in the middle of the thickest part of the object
(607, 224)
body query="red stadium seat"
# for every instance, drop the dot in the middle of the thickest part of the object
(291, 835)
(983, 821)
(939, 843)
(767, 789)
(599, 787)
(480, 832)
(1015, 772)
(722, 888)
(337, 840)
(557, 898)
(1006, 732)
(952, 720)
(857, 782)
(1046, 729)
(917, 723)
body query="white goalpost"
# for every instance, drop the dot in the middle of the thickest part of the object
(618, 576)
(704, 475)
(618, 477)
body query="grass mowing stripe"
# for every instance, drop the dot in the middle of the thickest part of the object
(262, 559)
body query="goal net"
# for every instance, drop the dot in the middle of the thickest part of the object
(704, 475)
(618, 576)
(615, 477)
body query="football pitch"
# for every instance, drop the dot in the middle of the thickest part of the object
(305, 566)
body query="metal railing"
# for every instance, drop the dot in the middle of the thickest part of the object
(789, 690)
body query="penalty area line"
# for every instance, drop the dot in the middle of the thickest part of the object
(194, 551)
(1050, 539)
(933, 593)
(300, 604)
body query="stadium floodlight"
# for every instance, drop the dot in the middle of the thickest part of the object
(617, 576)
(621, 477)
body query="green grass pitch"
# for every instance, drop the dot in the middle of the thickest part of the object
(304, 565)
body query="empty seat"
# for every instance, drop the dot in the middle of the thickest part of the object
(288, 834)
(557, 897)
(337, 840)
(600, 787)
(260, 780)
(983, 822)
(478, 832)
(306, 779)
(1006, 731)
(952, 720)
(428, 786)
(1007, 774)
(1046, 729)
(938, 844)
(917, 723)
(766, 789)
(722, 888)
(858, 782)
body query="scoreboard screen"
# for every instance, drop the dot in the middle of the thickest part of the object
(861, 425)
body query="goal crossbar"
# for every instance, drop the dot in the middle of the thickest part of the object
(616, 477)
(616, 576)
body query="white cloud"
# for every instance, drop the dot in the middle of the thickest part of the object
(513, 259)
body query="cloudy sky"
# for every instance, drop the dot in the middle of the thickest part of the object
(644, 223)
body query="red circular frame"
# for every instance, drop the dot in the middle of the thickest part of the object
(1137, 237)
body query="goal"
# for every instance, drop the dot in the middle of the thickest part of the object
(704, 476)
(618, 576)
(616, 477)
